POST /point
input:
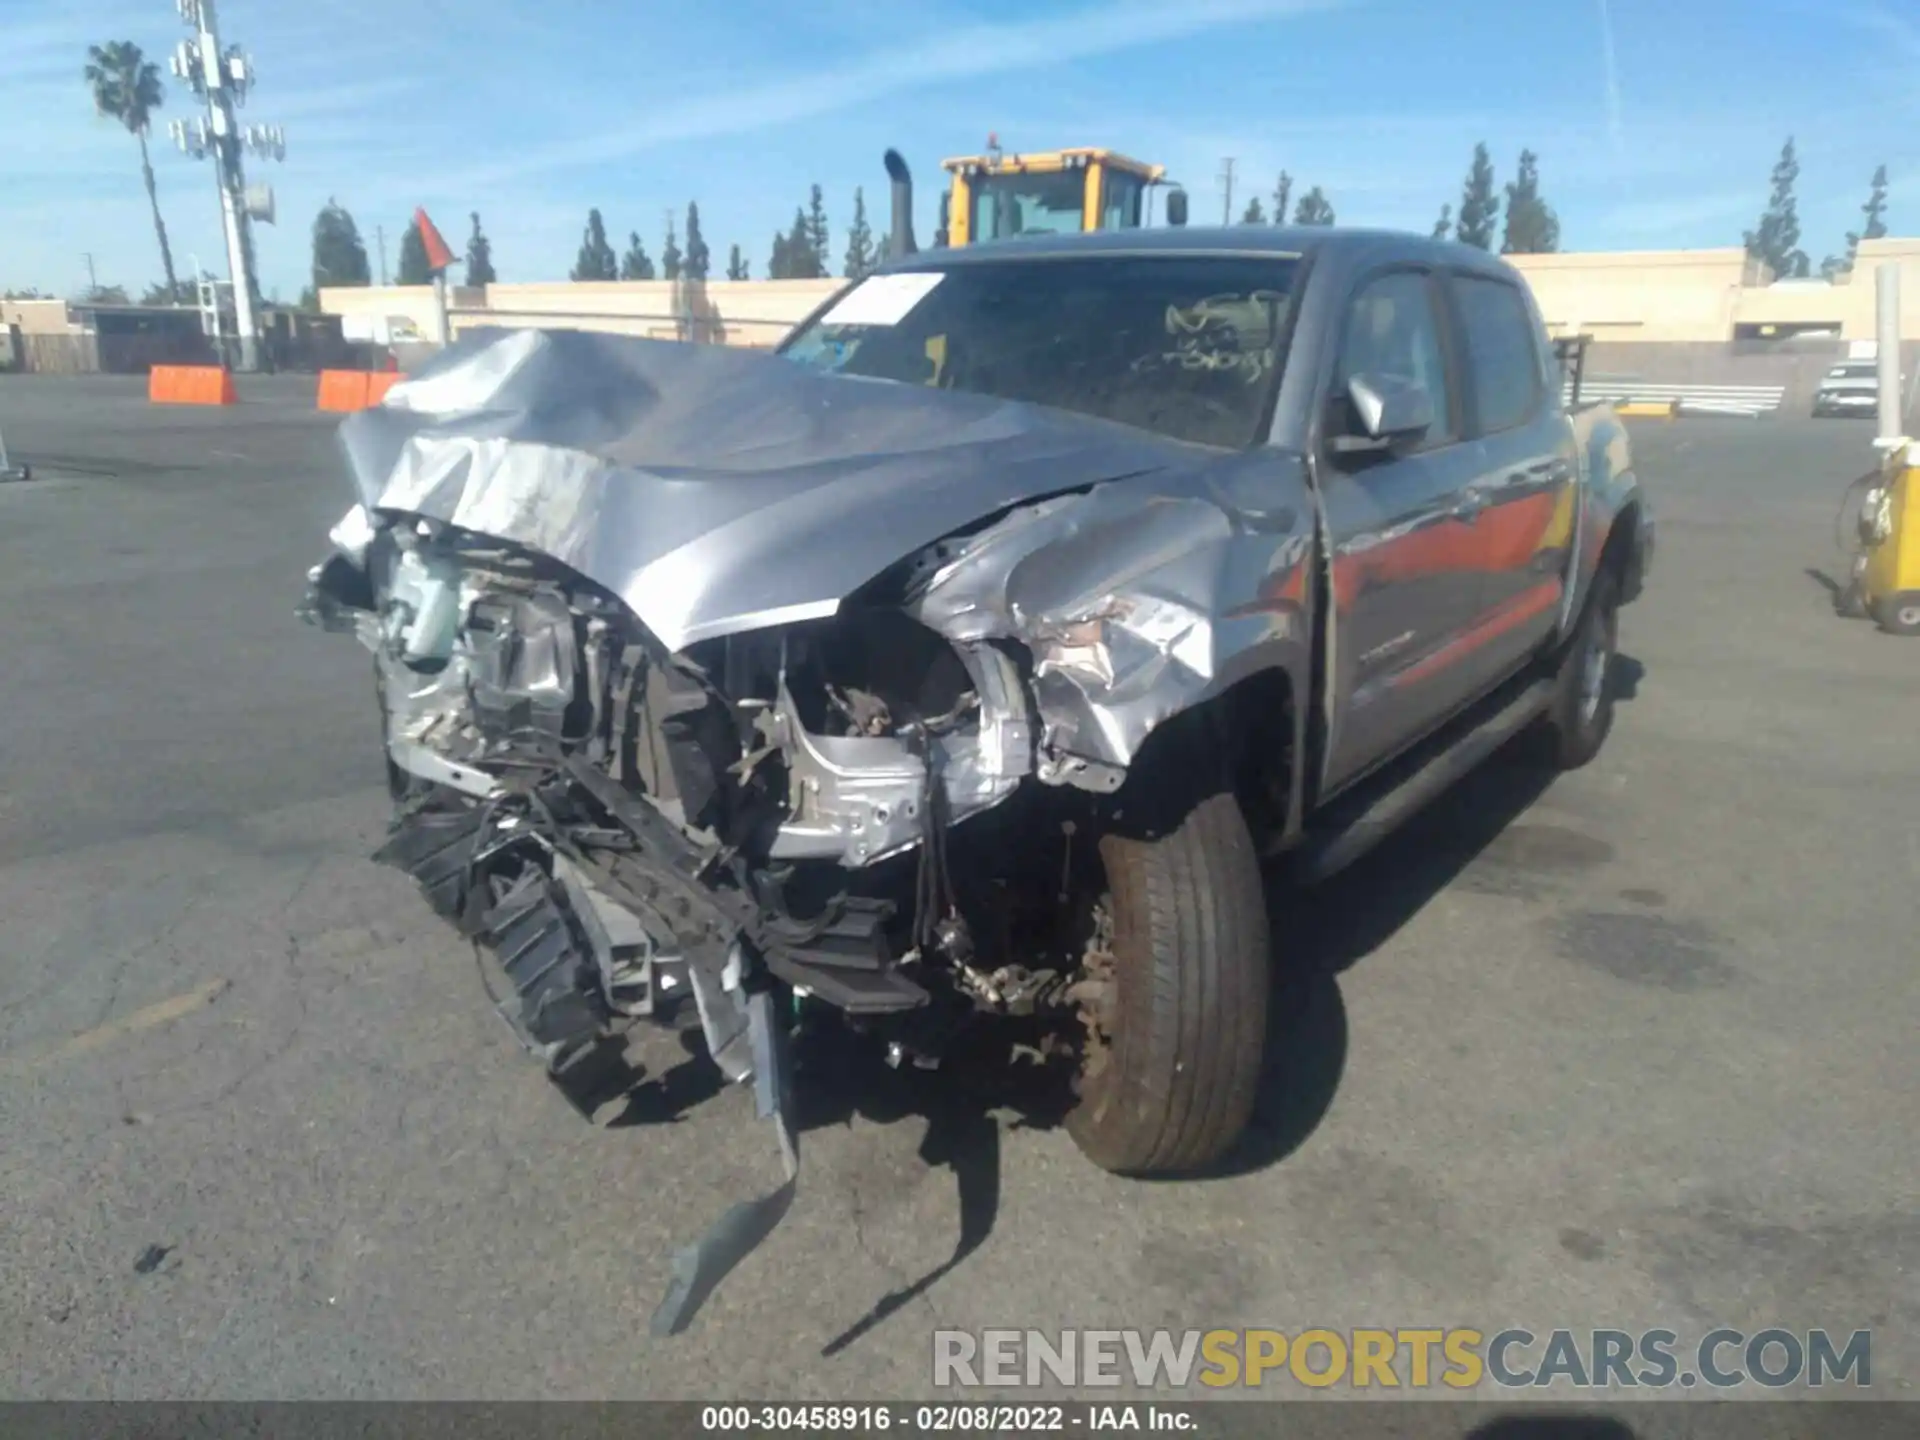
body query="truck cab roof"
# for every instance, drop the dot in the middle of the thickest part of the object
(1356, 247)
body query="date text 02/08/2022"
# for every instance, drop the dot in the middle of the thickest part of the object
(940, 1418)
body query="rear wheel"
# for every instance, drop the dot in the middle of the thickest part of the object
(1580, 717)
(1180, 965)
(1899, 614)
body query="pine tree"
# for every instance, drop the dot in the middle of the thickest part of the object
(1479, 206)
(1253, 215)
(695, 266)
(818, 240)
(736, 264)
(414, 269)
(596, 258)
(1314, 209)
(339, 256)
(1443, 227)
(1876, 225)
(803, 261)
(636, 264)
(1777, 240)
(780, 264)
(670, 257)
(479, 255)
(860, 256)
(1876, 207)
(1532, 227)
(1282, 192)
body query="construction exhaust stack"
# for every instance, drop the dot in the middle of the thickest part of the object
(900, 242)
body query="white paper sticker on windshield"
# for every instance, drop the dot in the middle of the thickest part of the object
(883, 299)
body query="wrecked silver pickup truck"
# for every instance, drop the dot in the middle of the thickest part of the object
(962, 659)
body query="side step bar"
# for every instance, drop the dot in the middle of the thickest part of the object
(1353, 827)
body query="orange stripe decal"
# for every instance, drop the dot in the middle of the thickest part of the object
(1529, 604)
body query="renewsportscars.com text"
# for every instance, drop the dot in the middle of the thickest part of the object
(1414, 1359)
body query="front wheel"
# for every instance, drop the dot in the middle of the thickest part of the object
(1577, 722)
(1175, 1045)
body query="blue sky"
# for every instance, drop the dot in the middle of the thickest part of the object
(1656, 121)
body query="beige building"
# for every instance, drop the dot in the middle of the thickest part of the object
(1674, 296)
(754, 313)
(1711, 296)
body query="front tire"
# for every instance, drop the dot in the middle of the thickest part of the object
(1580, 717)
(1174, 1057)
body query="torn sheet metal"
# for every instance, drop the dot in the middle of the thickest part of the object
(713, 490)
(701, 1266)
(1135, 603)
(857, 799)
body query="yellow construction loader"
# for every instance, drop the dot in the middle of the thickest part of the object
(996, 195)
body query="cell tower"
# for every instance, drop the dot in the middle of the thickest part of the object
(222, 77)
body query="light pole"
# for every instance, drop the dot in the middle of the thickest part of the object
(222, 78)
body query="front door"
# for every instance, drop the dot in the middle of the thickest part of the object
(1405, 555)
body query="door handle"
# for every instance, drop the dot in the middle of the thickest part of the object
(1468, 507)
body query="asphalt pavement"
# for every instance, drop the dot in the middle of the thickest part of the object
(1636, 1048)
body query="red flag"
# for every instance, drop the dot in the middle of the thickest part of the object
(439, 257)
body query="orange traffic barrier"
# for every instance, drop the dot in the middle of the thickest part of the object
(191, 385)
(342, 390)
(381, 381)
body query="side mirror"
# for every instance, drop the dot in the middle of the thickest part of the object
(1176, 207)
(1387, 408)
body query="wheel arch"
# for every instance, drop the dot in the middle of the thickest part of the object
(1246, 731)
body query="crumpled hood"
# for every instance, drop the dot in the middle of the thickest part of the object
(714, 490)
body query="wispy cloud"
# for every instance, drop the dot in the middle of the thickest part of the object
(49, 49)
(349, 99)
(1610, 73)
(962, 54)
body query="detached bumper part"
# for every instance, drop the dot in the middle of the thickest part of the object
(700, 1267)
(489, 874)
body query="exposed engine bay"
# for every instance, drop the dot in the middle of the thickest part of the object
(807, 778)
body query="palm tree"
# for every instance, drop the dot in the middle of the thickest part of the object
(126, 87)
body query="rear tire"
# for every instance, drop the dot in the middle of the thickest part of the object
(1580, 717)
(1170, 1084)
(1899, 614)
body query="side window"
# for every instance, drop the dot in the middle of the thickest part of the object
(1502, 352)
(1392, 329)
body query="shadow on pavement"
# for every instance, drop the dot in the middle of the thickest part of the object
(1318, 934)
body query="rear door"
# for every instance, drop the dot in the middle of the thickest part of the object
(1405, 582)
(1522, 493)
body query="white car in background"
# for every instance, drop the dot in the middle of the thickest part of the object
(1850, 388)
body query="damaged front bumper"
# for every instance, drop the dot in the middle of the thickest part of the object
(548, 891)
(612, 831)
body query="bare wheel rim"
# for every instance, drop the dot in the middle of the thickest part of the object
(1595, 659)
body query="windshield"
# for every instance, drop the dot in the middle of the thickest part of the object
(1006, 205)
(1120, 201)
(1189, 347)
(1853, 372)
